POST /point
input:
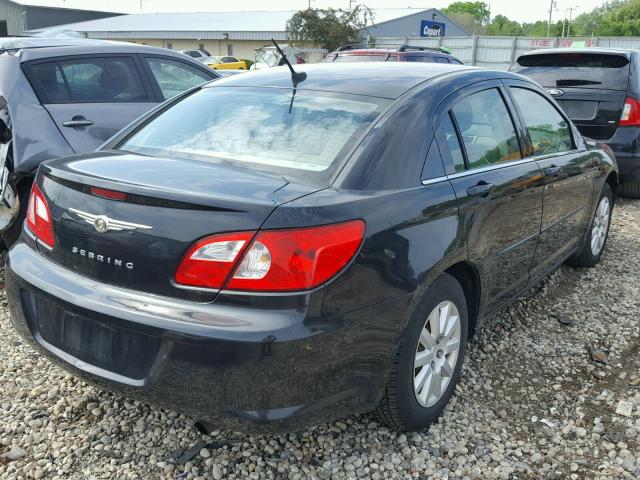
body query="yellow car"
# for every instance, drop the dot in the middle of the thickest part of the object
(225, 63)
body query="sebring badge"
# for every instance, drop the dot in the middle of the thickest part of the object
(556, 92)
(103, 224)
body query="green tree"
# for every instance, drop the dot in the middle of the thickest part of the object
(501, 25)
(472, 16)
(329, 28)
(478, 10)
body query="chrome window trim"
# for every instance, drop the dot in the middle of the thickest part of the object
(495, 166)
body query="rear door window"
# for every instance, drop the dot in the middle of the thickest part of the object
(586, 70)
(174, 77)
(547, 129)
(448, 131)
(486, 128)
(442, 60)
(89, 80)
(420, 58)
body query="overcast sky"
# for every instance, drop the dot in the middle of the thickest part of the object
(520, 10)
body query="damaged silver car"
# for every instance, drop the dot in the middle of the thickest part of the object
(63, 96)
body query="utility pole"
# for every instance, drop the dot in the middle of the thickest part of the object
(571, 9)
(552, 6)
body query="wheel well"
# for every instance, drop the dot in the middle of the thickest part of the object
(468, 277)
(612, 180)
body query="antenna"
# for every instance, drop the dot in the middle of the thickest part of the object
(296, 77)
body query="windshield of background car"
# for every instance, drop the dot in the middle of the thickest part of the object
(587, 70)
(306, 135)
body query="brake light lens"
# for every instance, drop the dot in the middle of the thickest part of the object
(630, 113)
(297, 259)
(108, 194)
(275, 261)
(39, 217)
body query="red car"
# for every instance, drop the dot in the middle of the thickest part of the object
(391, 53)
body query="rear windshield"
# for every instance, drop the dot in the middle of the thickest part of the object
(588, 70)
(382, 57)
(305, 134)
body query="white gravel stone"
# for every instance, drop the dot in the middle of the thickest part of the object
(523, 364)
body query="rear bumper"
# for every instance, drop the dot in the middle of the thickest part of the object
(275, 369)
(625, 144)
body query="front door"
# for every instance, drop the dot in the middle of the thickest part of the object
(568, 171)
(499, 194)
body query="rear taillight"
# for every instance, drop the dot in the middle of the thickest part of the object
(276, 260)
(39, 217)
(630, 113)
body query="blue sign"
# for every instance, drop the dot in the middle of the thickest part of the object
(429, 28)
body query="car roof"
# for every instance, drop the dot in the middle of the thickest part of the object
(610, 51)
(84, 46)
(376, 79)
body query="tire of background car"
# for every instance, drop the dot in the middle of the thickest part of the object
(427, 352)
(631, 188)
(11, 234)
(598, 231)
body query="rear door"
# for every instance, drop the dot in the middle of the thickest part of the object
(568, 171)
(499, 193)
(91, 98)
(591, 87)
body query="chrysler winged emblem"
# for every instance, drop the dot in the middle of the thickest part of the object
(103, 224)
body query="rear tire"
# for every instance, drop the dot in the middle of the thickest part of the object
(414, 397)
(598, 232)
(630, 188)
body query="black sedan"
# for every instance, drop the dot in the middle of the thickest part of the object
(274, 254)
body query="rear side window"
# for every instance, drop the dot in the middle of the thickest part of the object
(175, 77)
(486, 128)
(547, 129)
(95, 80)
(587, 70)
(420, 58)
(442, 60)
(448, 131)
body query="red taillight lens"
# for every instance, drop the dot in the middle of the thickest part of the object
(211, 260)
(276, 260)
(297, 259)
(630, 113)
(39, 217)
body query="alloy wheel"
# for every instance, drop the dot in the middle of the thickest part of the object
(600, 226)
(437, 353)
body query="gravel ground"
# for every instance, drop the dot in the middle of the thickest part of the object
(551, 389)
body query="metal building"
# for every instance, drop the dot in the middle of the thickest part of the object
(18, 16)
(416, 23)
(240, 33)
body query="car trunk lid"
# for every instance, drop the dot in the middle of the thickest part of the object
(590, 87)
(138, 241)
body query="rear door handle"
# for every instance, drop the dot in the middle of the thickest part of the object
(77, 122)
(552, 171)
(482, 189)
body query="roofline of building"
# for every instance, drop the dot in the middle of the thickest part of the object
(66, 9)
(186, 35)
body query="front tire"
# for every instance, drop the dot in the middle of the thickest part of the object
(427, 366)
(598, 231)
(630, 188)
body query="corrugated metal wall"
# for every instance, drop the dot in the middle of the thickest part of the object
(15, 15)
(500, 52)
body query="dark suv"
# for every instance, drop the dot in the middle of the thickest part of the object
(391, 53)
(599, 89)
